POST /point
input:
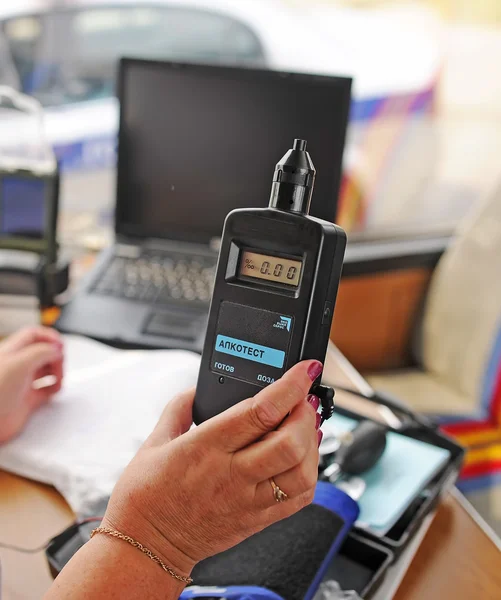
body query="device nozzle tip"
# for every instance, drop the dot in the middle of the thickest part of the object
(299, 144)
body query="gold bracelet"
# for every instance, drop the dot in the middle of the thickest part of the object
(139, 546)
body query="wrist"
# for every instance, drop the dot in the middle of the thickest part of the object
(113, 568)
(151, 538)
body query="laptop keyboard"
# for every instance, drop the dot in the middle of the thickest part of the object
(159, 278)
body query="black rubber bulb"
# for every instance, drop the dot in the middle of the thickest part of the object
(359, 450)
(364, 448)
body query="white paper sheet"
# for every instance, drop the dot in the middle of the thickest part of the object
(111, 400)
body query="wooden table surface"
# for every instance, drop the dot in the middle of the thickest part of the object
(30, 514)
(457, 560)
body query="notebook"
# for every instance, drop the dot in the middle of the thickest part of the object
(110, 402)
(402, 473)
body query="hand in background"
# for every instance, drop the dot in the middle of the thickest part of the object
(26, 356)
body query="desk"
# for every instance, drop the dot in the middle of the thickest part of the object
(30, 514)
(457, 560)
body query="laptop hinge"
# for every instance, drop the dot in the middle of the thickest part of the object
(127, 250)
(215, 244)
(130, 248)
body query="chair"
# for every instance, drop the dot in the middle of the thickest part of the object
(459, 351)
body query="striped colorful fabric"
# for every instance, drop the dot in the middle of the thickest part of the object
(481, 433)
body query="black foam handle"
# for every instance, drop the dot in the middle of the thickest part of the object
(283, 558)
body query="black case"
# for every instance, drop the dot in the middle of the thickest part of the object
(364, 558)
(401, 533)
(360, 565)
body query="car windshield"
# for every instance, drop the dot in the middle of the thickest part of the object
(68, 56)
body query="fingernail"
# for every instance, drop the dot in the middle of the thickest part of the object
(318, 421)
(314, 370)
(313, 400)
(320, 435)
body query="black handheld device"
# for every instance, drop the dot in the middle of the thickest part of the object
(276, 283)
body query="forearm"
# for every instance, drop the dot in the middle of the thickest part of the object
(109, 568)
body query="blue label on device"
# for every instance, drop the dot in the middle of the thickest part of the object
(261, 358)
(249, 351)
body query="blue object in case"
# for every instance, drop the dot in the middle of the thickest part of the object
(229, 593)
(334, 499)
(326, 495)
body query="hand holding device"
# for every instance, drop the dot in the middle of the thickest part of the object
(191, 493)
(274, 294)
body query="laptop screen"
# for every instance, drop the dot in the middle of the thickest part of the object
(198, 141)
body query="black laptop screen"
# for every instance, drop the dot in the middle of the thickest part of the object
(197, 141)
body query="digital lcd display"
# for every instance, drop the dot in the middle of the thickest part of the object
(270, 268)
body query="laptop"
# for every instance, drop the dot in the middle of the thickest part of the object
(195, 142)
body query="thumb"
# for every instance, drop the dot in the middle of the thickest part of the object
(251, 419)
(34, 357)
(176, 419)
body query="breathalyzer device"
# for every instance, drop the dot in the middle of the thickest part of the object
(276, 283)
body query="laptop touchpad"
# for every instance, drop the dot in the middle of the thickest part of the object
(175, 325)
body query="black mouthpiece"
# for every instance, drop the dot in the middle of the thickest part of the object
(293, 180)
(299, 144)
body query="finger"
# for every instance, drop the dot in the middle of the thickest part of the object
(55, 369)
(44, 371)
(49, 377)
(42, 396)
(30, 335)
(51, 369)
(295, 482)
(58, 371)
(253, 418)
(279, 450)
(176, 419)
(46, 382)
(54, 388)
(282, 510)
(36, 356)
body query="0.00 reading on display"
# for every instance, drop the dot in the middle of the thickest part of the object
(270, 268)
